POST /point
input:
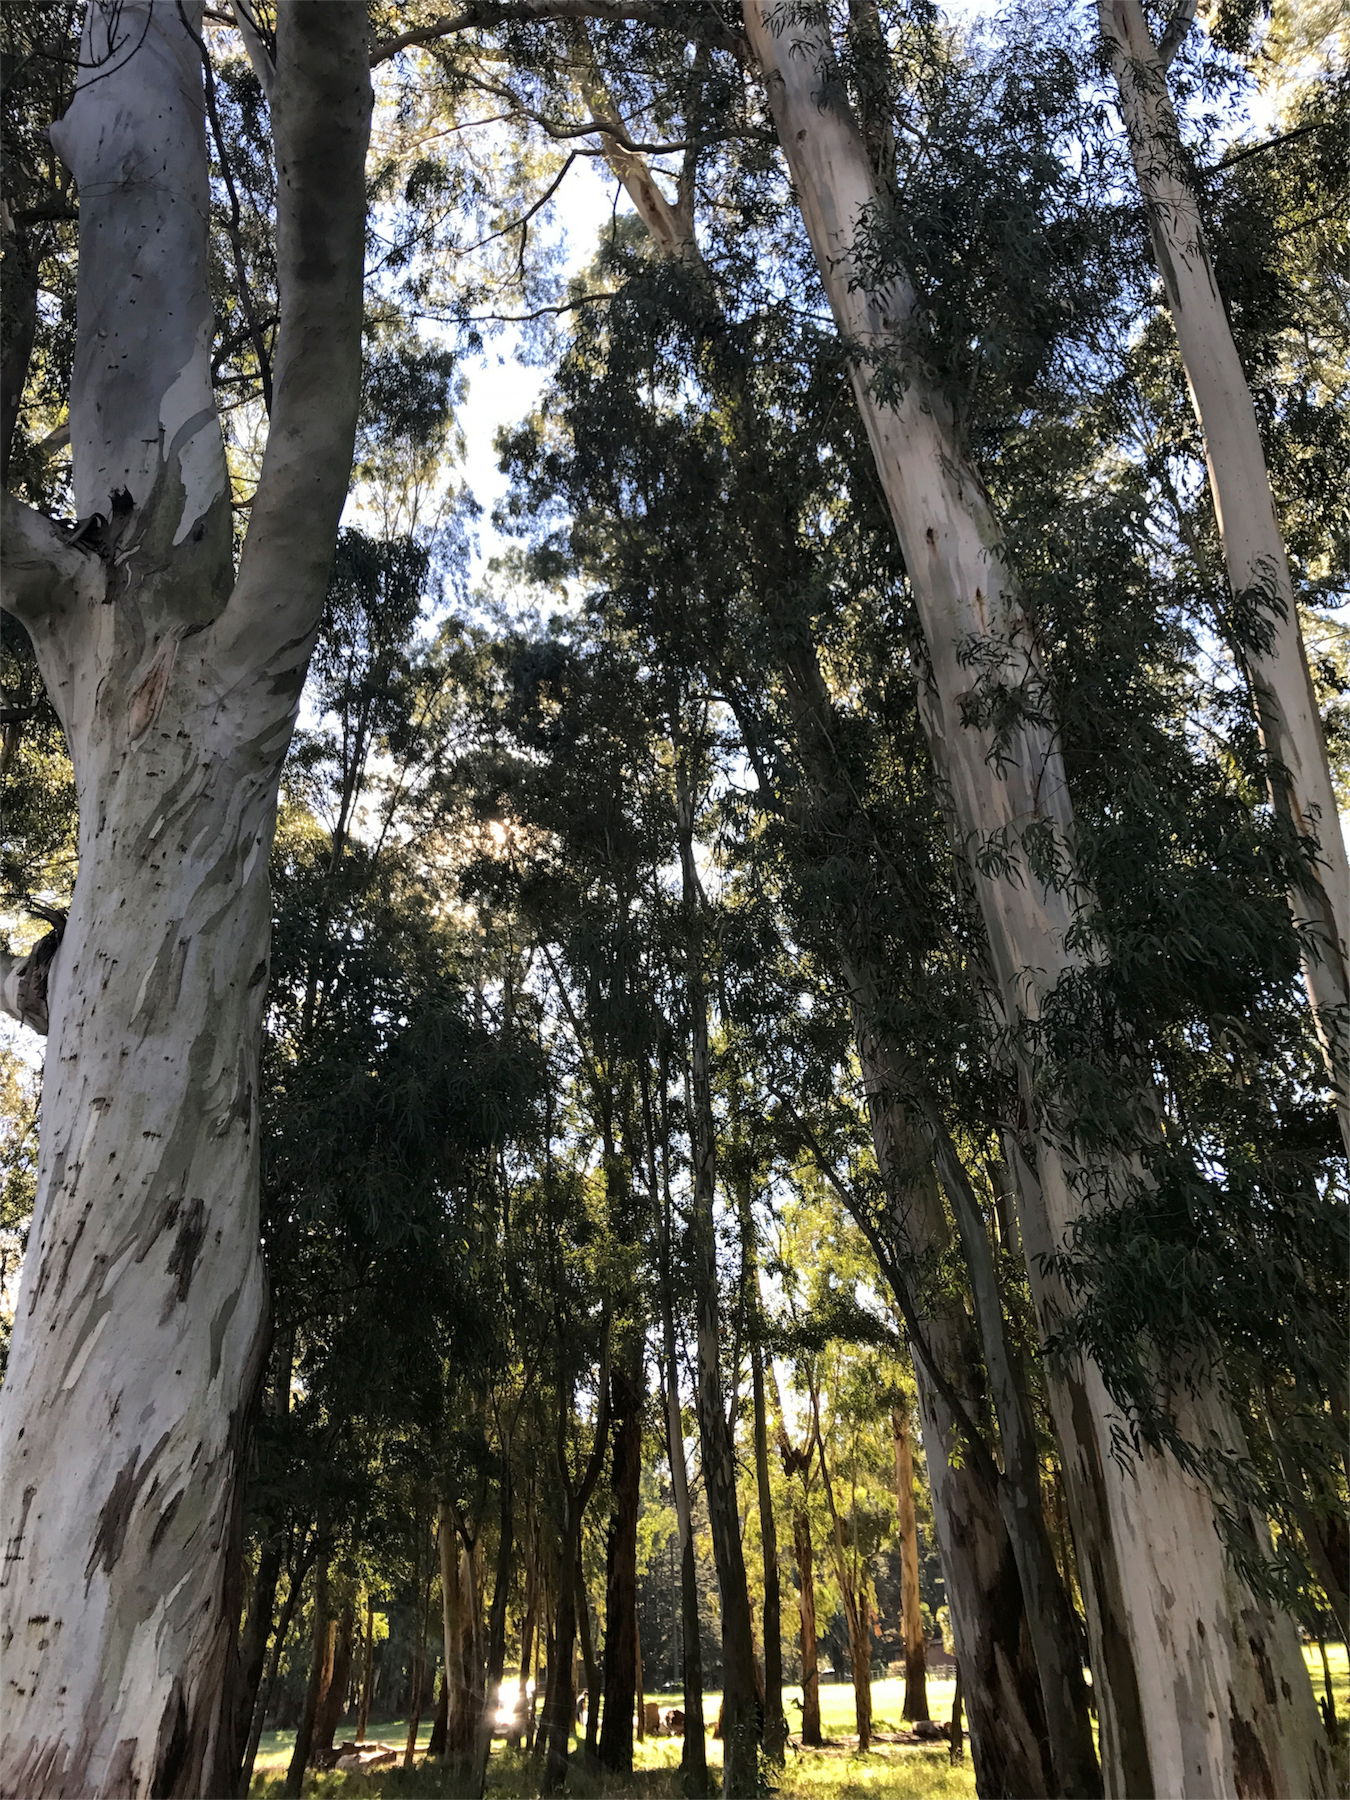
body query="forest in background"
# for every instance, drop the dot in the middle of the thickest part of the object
(756, 1187)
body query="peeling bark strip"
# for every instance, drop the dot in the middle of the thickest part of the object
(1271, 644)
(139, 1319)
(1172, 1625)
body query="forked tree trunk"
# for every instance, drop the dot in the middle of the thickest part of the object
(911, 1601)
(1200, 1686)
(1029, 1727)
(138, 1327)
(1266, 623)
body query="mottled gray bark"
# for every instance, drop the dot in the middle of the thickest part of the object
(139, 1320)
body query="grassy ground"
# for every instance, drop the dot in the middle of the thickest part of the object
(836, 1772)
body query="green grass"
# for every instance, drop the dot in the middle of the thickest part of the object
(836, 1772)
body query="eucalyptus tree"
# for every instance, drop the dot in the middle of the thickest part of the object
(1265, 623)
(176, 677)
(990, 730)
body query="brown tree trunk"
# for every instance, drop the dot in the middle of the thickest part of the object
(421, 1621)
(264, 1697)
(367, 1673)
(337, 1673)
(860, 1658)
(911, 1604)
(806, 1610)
(627, 1399)
(852, 1581)
(589, 1662)
(775, 1723)
(571, 1610)
(440, 1721)
(253, 1643)
(527, 1631)
(490, 1681)
(639, 1693)
(319, 1646)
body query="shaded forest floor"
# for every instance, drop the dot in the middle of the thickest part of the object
(835, 1772)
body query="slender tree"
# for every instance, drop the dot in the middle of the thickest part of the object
(1265, 618)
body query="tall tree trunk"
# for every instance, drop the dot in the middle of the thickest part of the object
(775, 1722)
(527, 1631)
(254, 1639)
(421, 1625)
(806, 1611)
(1020, 1747)
(911, 1603)
(639, 1686)
(852, 1579)
(337, 1676)
(320, 1640)
(440, 1720)
(740, 1738)
(139, 1322)
(860, 1660)
(264, 1696)
(1014, 1748)
(561, 1704)
(367, 1672)
(1266, 623)
(588, 1662)
(490, 1685)
(1186, 1655)
(694, 1750)
(627, 1401)
(462, 1638)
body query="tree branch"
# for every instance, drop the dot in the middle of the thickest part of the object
(24, 979)
(486, 13)
(258, 52)
(321, 128)
(1271, 143)
(39, 566)
(1175, 32)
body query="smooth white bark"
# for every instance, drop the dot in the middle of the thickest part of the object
(1200, 1687)
(139, 1319)
(1253, 545)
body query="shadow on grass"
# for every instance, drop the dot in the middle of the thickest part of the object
(889, 1772)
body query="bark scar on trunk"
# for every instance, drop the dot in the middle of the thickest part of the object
(116, 1511)
(186, 1249)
